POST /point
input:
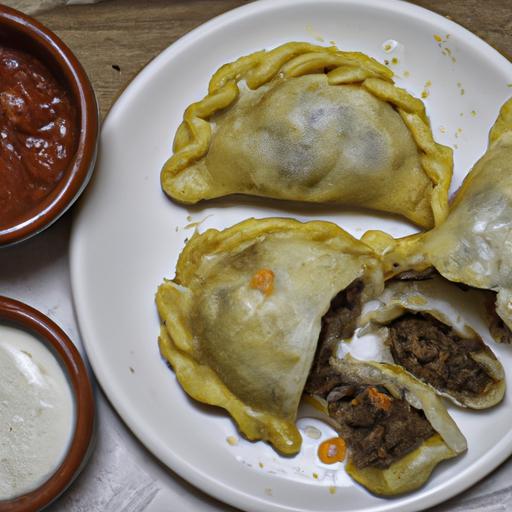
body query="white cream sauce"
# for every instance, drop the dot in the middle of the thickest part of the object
(36, 413)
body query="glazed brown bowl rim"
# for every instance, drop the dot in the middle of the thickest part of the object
(78, 174)
(25, 317)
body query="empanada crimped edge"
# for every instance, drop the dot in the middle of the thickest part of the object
(293, 60)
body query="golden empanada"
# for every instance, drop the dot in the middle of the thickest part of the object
(242, 318)
(474, 245)
(309, 123)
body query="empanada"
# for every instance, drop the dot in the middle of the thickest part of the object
(309, 123)
(416, 324)
(242, 318)
(396, 428)
(474, 245)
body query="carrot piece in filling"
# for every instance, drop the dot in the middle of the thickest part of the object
(379, 400)
(263, 281)
(332, 450)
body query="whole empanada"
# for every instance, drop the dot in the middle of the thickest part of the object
(474, 245)
(309, 123)
(242, 318)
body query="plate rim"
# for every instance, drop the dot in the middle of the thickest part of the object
(194, 475)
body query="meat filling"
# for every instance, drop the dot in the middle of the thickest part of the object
(434, 353)
(378, 428)
(337, 324)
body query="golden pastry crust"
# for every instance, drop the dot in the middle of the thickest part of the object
(473, 245)
(238, 343)
(409, 163)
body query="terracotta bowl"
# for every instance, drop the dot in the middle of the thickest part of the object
(20, 315)
(21, 32)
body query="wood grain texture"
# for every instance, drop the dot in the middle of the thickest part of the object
(115, 39)
(127, 34)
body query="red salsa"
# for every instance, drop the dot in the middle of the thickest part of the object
(37, 134)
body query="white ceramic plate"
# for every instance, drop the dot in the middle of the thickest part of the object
(128, 235)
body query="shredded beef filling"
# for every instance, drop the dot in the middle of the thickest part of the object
(434, 353)
(378, 428)
(338, 323)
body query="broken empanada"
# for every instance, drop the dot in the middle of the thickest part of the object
(416, 324)
(396, 428)
(242, 318)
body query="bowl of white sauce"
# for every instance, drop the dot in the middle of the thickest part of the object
(46, 409)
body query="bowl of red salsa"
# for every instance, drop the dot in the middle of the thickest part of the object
(48, 127)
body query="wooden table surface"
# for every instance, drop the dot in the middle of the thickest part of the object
(115, 39)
